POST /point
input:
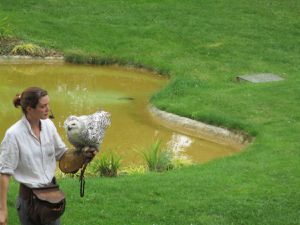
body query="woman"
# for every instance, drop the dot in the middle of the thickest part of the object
(29, 152)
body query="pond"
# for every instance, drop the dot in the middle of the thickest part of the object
(82, 90)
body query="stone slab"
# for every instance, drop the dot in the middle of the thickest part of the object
(259, 78)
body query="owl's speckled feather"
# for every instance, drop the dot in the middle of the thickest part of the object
(87, 130)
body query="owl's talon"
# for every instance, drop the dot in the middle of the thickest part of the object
(86, 149)
(89, 152)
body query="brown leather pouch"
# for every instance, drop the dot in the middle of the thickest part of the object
(46, 204)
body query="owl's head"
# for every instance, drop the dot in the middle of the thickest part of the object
(73, 125)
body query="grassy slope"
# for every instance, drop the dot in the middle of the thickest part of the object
(203, 45)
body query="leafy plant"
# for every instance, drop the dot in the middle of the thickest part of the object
(108, 165)
(28, 49)
(157, 158)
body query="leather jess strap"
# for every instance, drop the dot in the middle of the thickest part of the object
(81, 177)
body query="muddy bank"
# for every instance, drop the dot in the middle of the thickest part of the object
(17, 59)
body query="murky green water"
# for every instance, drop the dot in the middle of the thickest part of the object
(79, 89)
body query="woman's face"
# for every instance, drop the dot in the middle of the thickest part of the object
(41, 111)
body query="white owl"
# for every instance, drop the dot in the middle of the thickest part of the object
(87, 130)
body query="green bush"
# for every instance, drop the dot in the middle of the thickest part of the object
(108, 165)
(28, 49)
(157, 158)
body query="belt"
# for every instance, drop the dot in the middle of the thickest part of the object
(24, 192)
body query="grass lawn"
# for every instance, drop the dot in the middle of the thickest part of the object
(203, 46)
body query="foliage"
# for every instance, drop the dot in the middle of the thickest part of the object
(160, 158)
(157, 158)
(108, 165)
(28, 49)
(134, 169)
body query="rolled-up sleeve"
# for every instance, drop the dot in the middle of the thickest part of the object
(9, 156)
(59, 145)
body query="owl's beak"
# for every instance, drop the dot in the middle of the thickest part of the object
(69, 128)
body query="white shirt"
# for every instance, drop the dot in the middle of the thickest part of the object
(29, 160)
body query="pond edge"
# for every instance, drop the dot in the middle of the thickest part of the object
(199, 129)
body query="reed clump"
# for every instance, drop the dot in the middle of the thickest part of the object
(108, 165)
(161, 158)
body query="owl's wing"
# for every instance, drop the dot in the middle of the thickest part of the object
(97, 124)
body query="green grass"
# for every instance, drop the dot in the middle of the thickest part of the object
(203, 46)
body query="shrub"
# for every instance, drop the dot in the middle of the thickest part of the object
(157, 158)
(108, 165)
(28, 49)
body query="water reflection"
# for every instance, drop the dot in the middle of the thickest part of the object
(179, 143)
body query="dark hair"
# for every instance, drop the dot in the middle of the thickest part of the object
(29, 97)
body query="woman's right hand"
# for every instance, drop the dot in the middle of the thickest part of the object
(3, 217)
(4, 180)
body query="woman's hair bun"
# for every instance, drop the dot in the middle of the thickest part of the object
(17, 100)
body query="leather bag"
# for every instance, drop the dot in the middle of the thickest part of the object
(47, 204)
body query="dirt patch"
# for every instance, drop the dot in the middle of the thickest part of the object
(14, 46)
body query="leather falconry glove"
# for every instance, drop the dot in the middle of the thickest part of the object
(73, 160)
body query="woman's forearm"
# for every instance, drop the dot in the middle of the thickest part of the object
(4, 180)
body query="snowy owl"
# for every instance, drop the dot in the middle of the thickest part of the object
(87, 130)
